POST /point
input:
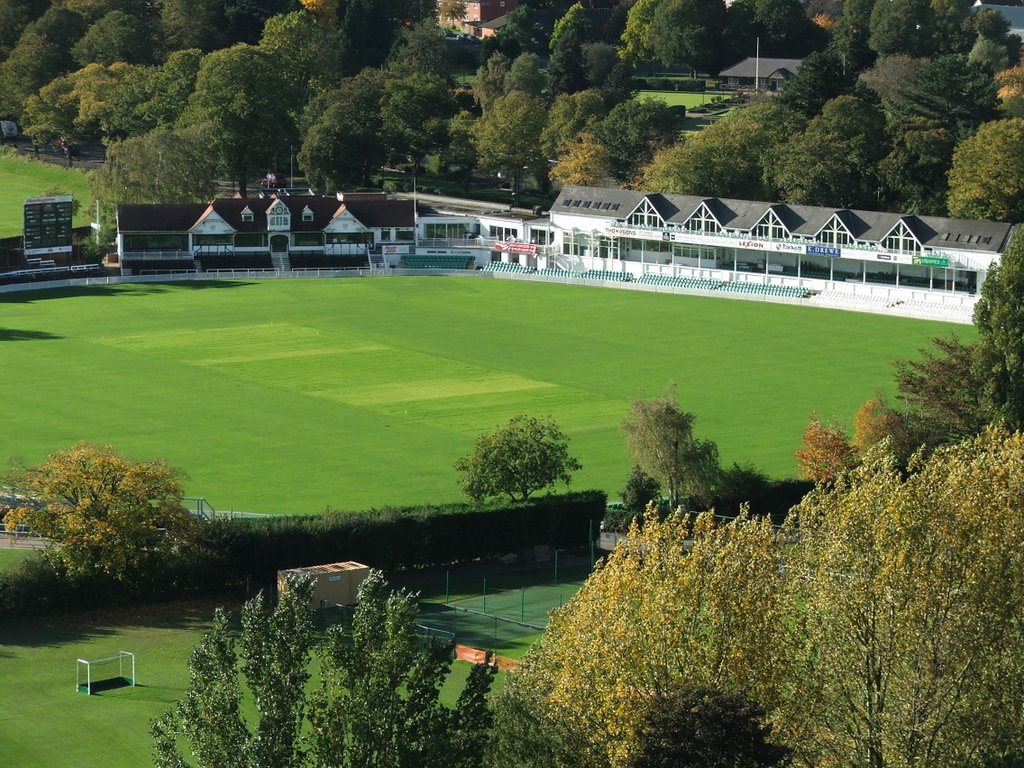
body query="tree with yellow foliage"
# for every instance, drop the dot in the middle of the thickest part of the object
(585, 163)
(908, 594)
(324, 11)
(104, 513)
(681, 600)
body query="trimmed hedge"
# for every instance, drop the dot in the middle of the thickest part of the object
(233, 553)
(394, 538)
(684, 84)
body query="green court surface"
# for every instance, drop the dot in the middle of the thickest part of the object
(289, 396)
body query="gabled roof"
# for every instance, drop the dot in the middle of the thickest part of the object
(158, 218)
(763, 67)
(801, 220)
(610, 202)
(371, 211)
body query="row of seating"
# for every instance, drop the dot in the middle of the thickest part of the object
(590, 274)
(563, 273)
(501, 266)
(781, 291)
(607, 274)
(690, 283)
(436, 261)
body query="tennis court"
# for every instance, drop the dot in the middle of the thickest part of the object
(505, 614)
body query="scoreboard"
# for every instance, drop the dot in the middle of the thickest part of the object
(48, 225)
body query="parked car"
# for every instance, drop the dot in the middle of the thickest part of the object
(274, 180)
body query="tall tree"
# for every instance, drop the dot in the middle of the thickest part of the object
(274, 650)
(1000, 323)
(951, 91)
(188, 24)
(117, 36)
(585, 163)
(821, 78)
(995, 149)
(570, 115)
(414, 114)
(342, 145)
(460, 150)
(421, 49)
(637, 42)
(308, 53)
(732, 157)
(162, 166)
(42, 53)
(240, 92)
(566, 73)
(941, 394)
(691, 33)
(104, 512)
(850, 35)
(661, 614)
(375, 701)
(783, 27)
(902, 27)
(632, 132)
(915, 172)
(660, 439)
(826, 452)
(694, 727)
(527, 75)
(900, 580)
(834, 161)
(508, 138)
(516, 460)
(378, 698)
(489, 82)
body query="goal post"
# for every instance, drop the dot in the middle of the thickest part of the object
(95, 675)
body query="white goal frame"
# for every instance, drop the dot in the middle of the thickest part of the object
(86, 664)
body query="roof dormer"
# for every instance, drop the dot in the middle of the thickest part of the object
(247, 214)
(646, 215)
(770, 227)
(279, 218)
(901, 239)
(703, 220)
(835, 232)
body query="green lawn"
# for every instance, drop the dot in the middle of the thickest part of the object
(47, 723)
(21, 179)
(11, 555)
(288, 396)
(680, 98)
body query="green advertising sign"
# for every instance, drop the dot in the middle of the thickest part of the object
(931, 261)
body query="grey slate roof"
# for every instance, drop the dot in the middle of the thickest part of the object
(370, 210)
(763, 67)
(801, 220)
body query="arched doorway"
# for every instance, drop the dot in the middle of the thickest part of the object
(279, 244)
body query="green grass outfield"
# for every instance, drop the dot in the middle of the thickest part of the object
(47, 723)
(287, 396)
(21, 179)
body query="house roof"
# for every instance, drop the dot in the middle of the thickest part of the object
(1014, 15)
(370, 210)
(800, 220)
(763, 67)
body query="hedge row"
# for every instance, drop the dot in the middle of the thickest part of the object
(233, 553)
(685, 84)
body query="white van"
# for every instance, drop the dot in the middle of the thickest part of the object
(8, 130)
